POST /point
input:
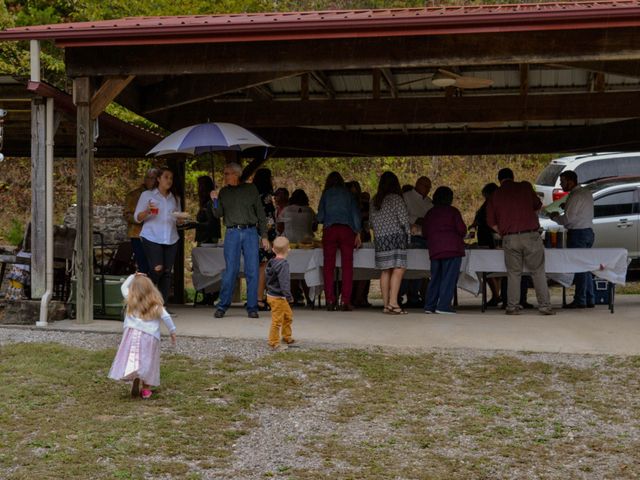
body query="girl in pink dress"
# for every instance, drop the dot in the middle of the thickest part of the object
(138, 357)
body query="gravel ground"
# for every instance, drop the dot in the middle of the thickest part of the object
(275, 441)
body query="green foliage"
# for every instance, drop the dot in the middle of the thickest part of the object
(15, 234)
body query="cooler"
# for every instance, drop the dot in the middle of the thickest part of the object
(107, 297)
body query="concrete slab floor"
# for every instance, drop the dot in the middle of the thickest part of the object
(594, 330)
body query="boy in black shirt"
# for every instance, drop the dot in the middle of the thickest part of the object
(279, 295)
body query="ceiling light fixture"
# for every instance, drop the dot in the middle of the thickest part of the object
(442, 80)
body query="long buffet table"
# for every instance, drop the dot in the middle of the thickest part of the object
(607, 263)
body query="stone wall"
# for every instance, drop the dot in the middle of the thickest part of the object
(107, 219)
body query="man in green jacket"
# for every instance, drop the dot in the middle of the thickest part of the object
(246, 225)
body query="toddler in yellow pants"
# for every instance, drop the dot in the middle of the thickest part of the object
(279, 296)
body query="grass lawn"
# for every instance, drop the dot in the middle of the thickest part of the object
(353, 414)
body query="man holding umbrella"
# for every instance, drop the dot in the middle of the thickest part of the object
(246, 225)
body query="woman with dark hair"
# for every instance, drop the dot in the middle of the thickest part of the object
(338, 212)
(484, 235)
(391, 233)
(297, 221)
(444, 231)
(208, 228)
(263, 182)
(157, 210)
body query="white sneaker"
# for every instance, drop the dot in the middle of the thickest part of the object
(445, 312)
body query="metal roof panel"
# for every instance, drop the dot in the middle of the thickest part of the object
(336, 24)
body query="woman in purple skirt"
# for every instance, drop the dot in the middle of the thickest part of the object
(138, 357)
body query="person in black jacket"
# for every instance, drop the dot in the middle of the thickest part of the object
(208, 228)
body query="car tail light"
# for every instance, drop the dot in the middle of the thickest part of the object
(558, 193)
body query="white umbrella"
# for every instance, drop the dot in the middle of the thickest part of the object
(209, 137)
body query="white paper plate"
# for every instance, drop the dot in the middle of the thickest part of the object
(183, 215)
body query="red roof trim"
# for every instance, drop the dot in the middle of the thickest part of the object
(337, 24)
(64, 102)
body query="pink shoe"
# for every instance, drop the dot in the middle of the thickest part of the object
(146, 393)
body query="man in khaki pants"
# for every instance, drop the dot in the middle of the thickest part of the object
(512, 212)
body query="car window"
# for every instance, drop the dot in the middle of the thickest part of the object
(597, 169)
(549, 175)
(619, 203)
(628, 165)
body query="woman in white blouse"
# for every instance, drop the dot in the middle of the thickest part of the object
(156, 210)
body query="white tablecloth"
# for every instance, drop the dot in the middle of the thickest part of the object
(561, 263)
(208, 266)
(607, 263)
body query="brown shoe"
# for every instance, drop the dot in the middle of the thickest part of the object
(546, 311)
(513, 311)
(345, 307)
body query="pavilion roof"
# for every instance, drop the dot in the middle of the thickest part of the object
(255, 27)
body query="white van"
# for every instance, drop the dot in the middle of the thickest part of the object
(588, 168)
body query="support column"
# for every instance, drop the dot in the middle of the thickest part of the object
(178, 167)
(84, 226)
(38, 199)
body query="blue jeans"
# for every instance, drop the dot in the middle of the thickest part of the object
(236, 242)
(442, 286)
(582, 238)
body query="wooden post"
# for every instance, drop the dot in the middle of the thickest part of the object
(84, 213)
(178, 168)
(38, 199)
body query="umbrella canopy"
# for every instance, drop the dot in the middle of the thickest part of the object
(208, 137)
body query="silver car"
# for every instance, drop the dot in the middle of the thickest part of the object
(616, 213)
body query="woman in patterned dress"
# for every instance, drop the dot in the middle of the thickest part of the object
(391, 231)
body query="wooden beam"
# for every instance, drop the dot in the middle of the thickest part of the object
(510, 48)
(623, 68)
(599, 84)
(84, 214)
(38, 198)
(376, 77)
(304, 86)
(304, 142)
(260, 93)
(456, 109)
(524, 79)
(178, 168)
(187, 89)
(107, 92)
(325, 82)
(391, 82)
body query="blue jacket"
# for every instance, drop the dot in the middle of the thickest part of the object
(338, 206)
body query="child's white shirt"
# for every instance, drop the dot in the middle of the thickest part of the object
(152, 327)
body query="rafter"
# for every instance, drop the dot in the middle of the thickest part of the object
(325, 82)
(188, 89)
(302, 142)
(456, 109)
(390, 81)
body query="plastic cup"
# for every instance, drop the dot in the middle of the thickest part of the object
(154, 209)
